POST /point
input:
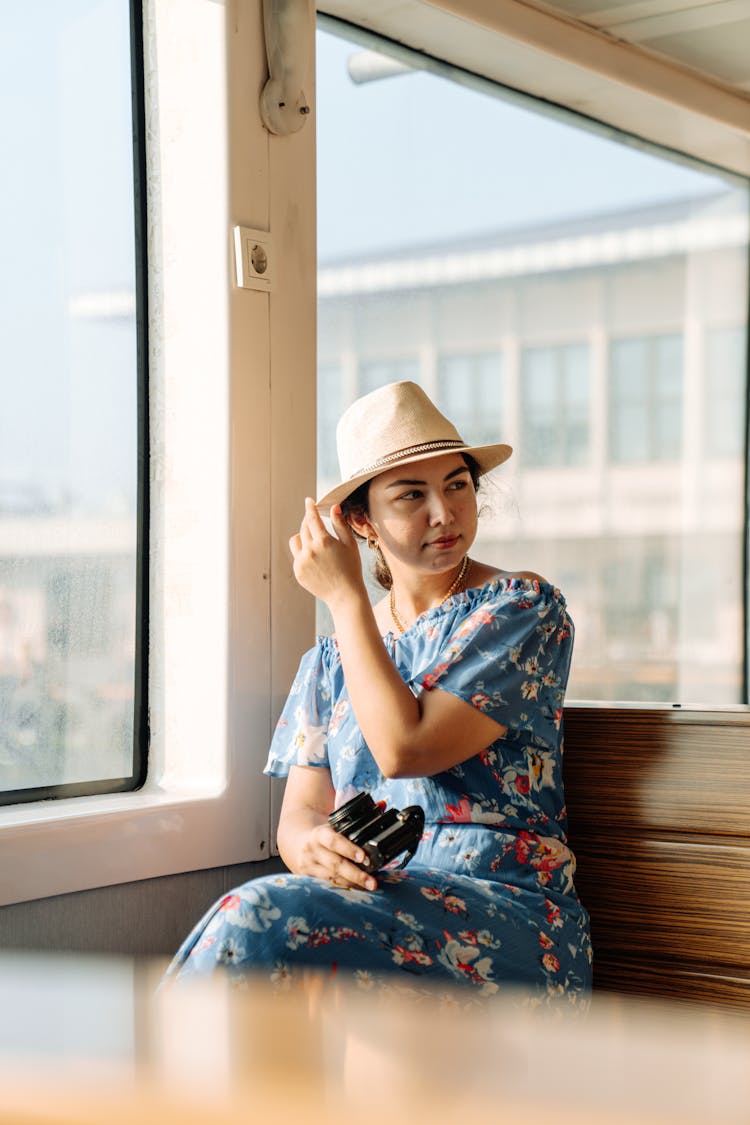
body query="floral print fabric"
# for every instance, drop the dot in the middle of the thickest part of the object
(488, 900)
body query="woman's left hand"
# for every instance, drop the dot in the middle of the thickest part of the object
(327, 566)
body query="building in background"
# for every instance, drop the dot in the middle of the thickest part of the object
(611, 353)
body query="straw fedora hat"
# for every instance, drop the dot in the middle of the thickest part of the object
(392, 425)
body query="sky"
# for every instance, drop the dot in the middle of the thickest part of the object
(416, 158)
(401, 161)
(66, 229)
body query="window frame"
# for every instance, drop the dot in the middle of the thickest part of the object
(205, 802)
(562, 413)
(436, 43)
(189, 821)
(137, 777)
(475, 418)
(646, 407)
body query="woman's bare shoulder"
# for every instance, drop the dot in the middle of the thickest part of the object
(482, 573)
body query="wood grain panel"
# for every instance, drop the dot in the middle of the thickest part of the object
(657, 771)
(687, 901)
(727, 989)
(659, 811)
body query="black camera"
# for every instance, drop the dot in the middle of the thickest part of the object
(381, 833)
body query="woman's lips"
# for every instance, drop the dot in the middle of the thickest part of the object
(445, 543)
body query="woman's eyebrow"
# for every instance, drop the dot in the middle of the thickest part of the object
(401, 483)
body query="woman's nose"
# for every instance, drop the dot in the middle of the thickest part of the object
(440, 511)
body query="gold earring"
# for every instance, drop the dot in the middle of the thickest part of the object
(373, 544)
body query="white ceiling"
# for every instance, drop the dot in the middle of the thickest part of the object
(712, 36)
(673, 72)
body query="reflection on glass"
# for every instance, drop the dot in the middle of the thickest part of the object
(584, 301)
(68, 382)
(470, 393)
(646, 399)
(555, 405)
(725, 367)
(376, 373)
(330, 405)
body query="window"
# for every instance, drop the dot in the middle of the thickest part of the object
(646, 399)
(376, 373)
(70, 436)
(555, 390)
(724, 382)
(231, 451)
(599, 272)
(330, 406)
(470, 394)
(642, 623)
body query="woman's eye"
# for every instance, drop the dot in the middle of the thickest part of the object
(412, 494)
(457, 484)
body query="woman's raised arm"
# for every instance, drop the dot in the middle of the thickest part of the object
(407, 736)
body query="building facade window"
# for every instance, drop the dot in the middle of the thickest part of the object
(374, 373)
(470, 394)
(330, 407)
(552, 319)
(555, 396)
(725, 375)
(645, 399)
(71, 424)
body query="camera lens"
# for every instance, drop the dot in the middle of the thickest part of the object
(382, 833)
(359, 810)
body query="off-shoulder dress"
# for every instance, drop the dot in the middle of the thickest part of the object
(488, 902)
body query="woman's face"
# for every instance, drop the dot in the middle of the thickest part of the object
(424, 513)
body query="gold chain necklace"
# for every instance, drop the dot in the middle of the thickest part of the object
(455, 587)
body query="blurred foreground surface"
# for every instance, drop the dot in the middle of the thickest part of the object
(90, 1040)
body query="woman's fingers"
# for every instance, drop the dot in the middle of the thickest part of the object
(343, 873)
(306, 532)
(326, 564)
(341, 527)
(338, 859)
(338, 845)
(313, 520)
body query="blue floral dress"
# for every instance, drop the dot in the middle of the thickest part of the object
(488, 900)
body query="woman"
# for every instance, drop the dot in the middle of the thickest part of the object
(447, 694)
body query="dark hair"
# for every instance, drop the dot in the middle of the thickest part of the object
(358, 504)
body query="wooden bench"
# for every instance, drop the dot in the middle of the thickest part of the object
(659, 811)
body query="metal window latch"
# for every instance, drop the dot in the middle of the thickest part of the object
(287, 25)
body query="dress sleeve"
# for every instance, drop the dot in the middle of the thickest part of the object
(301, 734)
(509, 657)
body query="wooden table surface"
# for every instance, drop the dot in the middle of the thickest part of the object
(89, 1040)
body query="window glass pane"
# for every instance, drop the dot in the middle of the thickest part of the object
(330, 407)
(470, 394)
(555, 405)
(520, 244)
(628, 366)
(376, 373)
(646, 399)
(68, 383)
(629, 434)
(725, 366)
(576, 380)
(455, 382)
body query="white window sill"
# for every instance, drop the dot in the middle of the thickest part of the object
(55, 847)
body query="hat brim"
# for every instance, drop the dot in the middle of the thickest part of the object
(488, 457)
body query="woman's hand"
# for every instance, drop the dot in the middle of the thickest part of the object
(331, 856)
(325, 565)
(307, 843)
